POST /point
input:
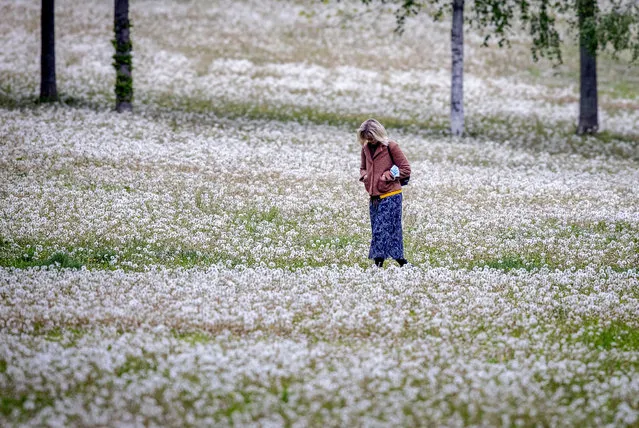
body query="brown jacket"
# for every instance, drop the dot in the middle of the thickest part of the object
(372, 168)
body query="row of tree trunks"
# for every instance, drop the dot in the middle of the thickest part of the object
(122, 57)
(588, 105)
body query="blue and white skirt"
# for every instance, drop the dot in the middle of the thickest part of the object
(386, 225)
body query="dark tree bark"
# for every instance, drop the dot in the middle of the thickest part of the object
(588, 108)
(457, 83)
(122, 58)
(48, 89)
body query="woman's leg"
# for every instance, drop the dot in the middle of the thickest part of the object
(374, 252)
(401, 261)
(393, 228)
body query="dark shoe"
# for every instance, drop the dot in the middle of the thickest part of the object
(401, 262)
(379, 262)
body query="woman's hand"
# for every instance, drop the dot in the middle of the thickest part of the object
(387, 176)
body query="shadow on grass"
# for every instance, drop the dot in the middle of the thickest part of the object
(9, 102)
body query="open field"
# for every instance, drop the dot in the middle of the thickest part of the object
(202, 261)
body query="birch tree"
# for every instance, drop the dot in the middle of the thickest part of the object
(48, 88)
(495, 16)
(612, 24)
(457, 80)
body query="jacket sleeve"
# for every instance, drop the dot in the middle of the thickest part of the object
(362, 167)
(400, 160)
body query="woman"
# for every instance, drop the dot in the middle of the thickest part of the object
(383, 166)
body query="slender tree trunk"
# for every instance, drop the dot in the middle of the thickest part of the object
(457, 84)
(122, 58)
(48, 89)
(588, 109)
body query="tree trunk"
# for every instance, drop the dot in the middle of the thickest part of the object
(48, 89)
(588, 109)
(122, 58)
(457, 84)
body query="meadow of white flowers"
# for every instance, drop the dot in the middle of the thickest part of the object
(202, 261)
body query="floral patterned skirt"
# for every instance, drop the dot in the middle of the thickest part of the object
(386, 225)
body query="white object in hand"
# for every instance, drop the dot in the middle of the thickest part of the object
(395, 171)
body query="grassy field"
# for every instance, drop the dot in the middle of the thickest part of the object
(202, 261)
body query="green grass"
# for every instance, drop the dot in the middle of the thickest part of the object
(58, 334)
(57, 259)
(234, 405)
(533, 133)
(157, 254)
(334, 241)
(135, 364)
(530, 134)
(621, 88)
(511, 262)
(287, 113)
(616, 334)
(496, 128)
(193, 337)
(136, 255)
(10, 403)
(608, 231)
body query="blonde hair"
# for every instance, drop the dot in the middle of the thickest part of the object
(372, 130)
